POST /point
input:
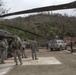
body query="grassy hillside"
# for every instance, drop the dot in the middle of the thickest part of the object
(47, 25)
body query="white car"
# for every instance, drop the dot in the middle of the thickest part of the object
(57, 44)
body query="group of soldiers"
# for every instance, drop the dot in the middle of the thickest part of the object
(17, 48)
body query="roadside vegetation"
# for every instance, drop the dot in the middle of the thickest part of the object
(45, 24)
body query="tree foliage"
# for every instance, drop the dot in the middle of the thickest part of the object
(45, 24)
(2, 9)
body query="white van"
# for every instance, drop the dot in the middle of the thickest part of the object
(57, 44)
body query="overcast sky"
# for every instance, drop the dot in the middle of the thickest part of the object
(18, 5)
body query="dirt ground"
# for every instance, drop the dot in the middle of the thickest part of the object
(68, 66)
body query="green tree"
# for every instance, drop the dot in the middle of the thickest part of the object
(2, 8)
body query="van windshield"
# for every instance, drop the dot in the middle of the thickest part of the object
(60, 41)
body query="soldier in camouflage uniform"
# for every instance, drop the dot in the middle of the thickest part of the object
(16, 51)
(2, 50)
(23, 47)
(6, 53)
(33, 45)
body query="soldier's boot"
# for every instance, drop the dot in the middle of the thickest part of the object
(33, 58)
(2, 63)
(37, 50)
(21, 63)
(25, 56)
(36, 58)
(22, 56)
(15, 59)
(16, 62)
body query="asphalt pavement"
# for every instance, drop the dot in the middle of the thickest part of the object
(48, 63)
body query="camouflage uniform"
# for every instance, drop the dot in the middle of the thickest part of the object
(2, 51)
(16, 52)
(71, 46)
(34, 49)
(6, 53)
(23, 46)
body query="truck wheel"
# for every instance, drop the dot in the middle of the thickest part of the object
(51, 49)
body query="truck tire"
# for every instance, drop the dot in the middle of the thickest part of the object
(51, 49)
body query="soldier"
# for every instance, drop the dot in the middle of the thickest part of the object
(2, 50)
(22, 46)
(33, 45)
(37, 43)
(5, 40)
(23, 49)
(71, 46)
(16, 51)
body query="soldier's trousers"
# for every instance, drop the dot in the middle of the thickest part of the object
(2, 56)
(6, 53)
(72, 49)
(23, 53)
(34, 56)
(17, 53)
